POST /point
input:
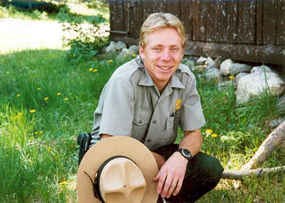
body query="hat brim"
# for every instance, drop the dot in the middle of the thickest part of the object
(110, 147)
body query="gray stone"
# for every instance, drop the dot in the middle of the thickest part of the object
(134, 49)
(281, 105)
(226, 66)
(257, 82)
(124, 53)
(212, 74)
(261, 69)
(210, 62)
(239, 76)
(239, 68)
(201, 60)
(274, 123)
(190, 63)
(115, 46)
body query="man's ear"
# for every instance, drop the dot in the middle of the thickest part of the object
(141, 52)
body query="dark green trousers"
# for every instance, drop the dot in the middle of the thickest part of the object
(202, 175)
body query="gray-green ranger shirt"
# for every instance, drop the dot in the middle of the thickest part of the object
(131, 105)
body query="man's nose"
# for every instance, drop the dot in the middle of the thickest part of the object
(166, 55)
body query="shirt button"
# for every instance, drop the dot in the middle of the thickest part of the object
(154, 122)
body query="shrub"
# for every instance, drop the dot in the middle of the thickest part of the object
(85, 41)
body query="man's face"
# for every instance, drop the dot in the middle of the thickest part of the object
(162, 54)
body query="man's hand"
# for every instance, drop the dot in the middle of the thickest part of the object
(171, 175)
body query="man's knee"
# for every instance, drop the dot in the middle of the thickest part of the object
(206, 167)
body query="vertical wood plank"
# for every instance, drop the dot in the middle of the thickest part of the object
(135, 18)
(151, 6)
(195, 19)
(173, 7)
(186, 16)
(269, 22)
(117, 15)
(230, 21)
(212, 18)
(280, 27)
(259, 22)
(246, 22)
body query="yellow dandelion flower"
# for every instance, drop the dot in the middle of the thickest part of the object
(49, 148)
(17, 95)
(58, 94)
(94, 70)
(231, 77)
(64, 182)
(110, 61)
(46, 99)
(90, 69)
(32, 110)
(209, 131)
(214, 135)
(65, 99)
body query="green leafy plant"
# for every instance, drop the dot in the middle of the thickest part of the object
(86, 41)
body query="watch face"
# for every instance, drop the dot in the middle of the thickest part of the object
(186, 153)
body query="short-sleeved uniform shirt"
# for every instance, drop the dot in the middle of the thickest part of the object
(131, 105)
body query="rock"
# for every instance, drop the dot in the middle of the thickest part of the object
(239, 68)
(190, 63)
(210, 62)
(274, 123)
(200, 68)
(134, 49)
(201, 60)
(257, 82)
(281, 105)
(212, 74)
(120, 45)
(124, 53)
(239, 76)
(226, 66)
(115, 46)
(260, 69)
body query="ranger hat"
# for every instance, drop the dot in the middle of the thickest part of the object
(119, 169)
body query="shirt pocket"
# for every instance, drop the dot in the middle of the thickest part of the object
(139, 128)
(169, 133)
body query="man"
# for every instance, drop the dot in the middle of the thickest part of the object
(148, 98)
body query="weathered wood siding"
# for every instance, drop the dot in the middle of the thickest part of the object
(246, 30)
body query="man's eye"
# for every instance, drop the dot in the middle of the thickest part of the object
(156, 49)
(174, 49)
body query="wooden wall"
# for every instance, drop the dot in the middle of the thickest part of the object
(245, 30)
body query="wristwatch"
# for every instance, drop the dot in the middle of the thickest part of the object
(185, 153)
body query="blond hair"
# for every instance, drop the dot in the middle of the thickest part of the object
(160, 20)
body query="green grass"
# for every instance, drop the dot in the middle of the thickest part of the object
(38, 152)
(38, 149)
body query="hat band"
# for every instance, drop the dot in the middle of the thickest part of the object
(96, 183)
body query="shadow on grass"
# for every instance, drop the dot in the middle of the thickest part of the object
(59, 12)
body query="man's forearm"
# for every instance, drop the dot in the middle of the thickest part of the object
(192, 141)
